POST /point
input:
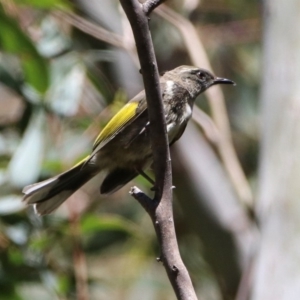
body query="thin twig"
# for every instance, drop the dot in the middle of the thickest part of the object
(92, 29)
(142, 198)
(160, 208)
(150, 5)
(210, 130)
(97, 31)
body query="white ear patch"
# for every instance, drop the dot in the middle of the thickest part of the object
(169, 87)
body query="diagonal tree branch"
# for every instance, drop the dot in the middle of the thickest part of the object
(160, 208)
(97, 31)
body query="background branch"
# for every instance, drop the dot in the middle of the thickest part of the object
(161, 212)
(216, 100)
(97, 31)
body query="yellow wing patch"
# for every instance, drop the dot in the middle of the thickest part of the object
(82, 161)
(121, 118)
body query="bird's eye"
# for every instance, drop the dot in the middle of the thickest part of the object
(201, 76)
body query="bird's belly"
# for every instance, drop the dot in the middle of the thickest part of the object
(172, 130)
(175, 126)
(132, 158)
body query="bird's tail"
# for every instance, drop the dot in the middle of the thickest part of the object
(47, 195)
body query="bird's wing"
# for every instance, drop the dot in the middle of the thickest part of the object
(132, 110)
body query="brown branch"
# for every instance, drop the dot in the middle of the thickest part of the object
(160, 208)
(141, 32)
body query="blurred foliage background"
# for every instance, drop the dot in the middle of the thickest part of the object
(65, 69)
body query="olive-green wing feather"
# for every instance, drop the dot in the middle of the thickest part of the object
(121, 120)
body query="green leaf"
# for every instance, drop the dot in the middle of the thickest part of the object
(45, 3)
(67, 85)
(25, 165)
(11, 204)
(93, 223)
(15, 256)
(53, 41)
(14, 40)
(63, 284)
(40, 242)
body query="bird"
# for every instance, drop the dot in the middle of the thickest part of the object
(122, 149)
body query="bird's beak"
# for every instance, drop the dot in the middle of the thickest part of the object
(219, 80)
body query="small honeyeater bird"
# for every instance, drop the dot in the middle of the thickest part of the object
(122, 148)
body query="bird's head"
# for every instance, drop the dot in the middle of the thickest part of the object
(194, 79)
